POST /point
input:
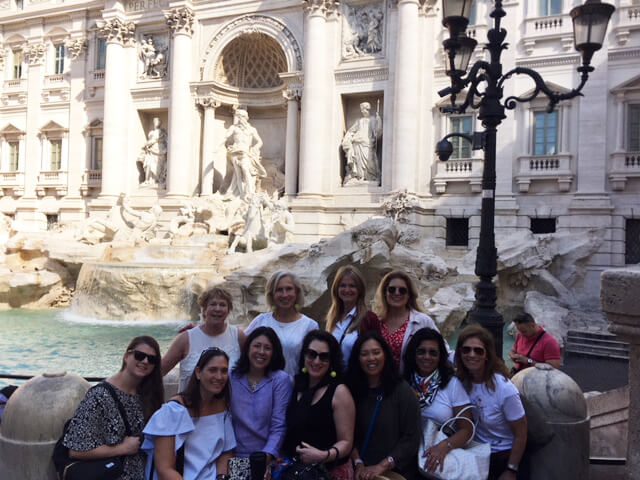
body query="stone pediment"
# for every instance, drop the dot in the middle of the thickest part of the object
(10, 129)
(52, 127)
(57, 34)
(446, 101)
(629, 85)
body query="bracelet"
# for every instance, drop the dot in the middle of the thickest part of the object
(337, 452)
(222, 476)
(328, 455)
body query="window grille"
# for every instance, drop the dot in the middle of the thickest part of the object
(543, 225)
(458, 232)
(632, 241)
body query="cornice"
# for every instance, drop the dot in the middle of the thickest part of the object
(362, 75)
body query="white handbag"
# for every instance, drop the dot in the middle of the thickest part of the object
(468, 463)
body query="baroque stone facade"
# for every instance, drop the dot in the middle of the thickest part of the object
(82, 91)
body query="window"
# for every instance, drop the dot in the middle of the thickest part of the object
(545, 133)
(458, 232)
(14, 156)
(461, 147)
(56, 154)
(549, 7)
(59, 50)
(543, 225)
(473, 15)
(101, 54)
(96, 154)
(632, 241)
(17, 64)
(633, 125)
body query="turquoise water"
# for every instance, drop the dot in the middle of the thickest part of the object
(34, 342)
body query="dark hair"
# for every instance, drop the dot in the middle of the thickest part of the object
(357, 379)
(277, 357)
(410, 367)
(191, 394)
(150, 389)
(523, 318)
(301, 380)
(494, 364)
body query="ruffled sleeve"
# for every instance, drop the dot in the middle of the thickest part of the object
(172, 419)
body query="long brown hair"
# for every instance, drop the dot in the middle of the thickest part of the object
(494, 364)
(150, 388)
(381, 305)
(191, 394)
(337, 310)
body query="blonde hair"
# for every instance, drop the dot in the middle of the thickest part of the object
(215, 292)
(336, 311)
(272, 284)
(381, 305)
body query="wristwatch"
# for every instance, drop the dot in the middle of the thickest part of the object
(529, 361)
(392, 462)
(513, 467)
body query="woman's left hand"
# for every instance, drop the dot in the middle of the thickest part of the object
(309, 454)
(368, 473)
(435, 456)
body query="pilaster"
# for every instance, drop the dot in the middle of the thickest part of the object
(208, 105)
(292, 95)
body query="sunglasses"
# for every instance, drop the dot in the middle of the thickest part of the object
(211, 349)
(140, 356)
(311, 355)
(421, 352)
(476, 350)
(400, 290)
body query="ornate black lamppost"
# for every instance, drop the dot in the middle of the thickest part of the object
(484, 84)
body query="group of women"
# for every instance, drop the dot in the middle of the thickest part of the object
(353, 398)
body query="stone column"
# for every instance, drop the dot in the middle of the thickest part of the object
(34, 54)
(77, 160)
(620, 123)
(179, 171)
(291, 149)
(116, 95)
(209, 106)
(406, 92)
(565, 146)
(621, 302)
(316, 113)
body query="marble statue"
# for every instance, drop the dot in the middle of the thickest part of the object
(253, 223)
(243, 151)
(281, 223)
(153, 157)
(360, 144)
(362, 31)
(144, 224)
(154, 60)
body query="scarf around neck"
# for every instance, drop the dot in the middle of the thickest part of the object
(426, 387)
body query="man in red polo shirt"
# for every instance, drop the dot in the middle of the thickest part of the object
(533, 345)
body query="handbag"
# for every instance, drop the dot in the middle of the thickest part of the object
(468, 463)
(300, 471)
(246, 468)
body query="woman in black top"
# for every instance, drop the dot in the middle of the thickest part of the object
(321, 414)
(394, 437)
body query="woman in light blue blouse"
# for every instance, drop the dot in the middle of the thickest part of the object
(261, 394)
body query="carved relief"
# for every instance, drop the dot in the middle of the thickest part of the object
(35, 53)
(322, 6)
(3, 55)
(180, 20)
(153, 55)
(362, 31)
(115, 30)
(76, 47)
(207, 102)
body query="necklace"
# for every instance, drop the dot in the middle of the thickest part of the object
(253, 384)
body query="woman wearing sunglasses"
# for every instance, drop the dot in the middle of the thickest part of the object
(400, 316)
(348, 313)
(216, 303)
(191, 437)
(97, 430)
(440, 394)
(321, 414)
(501, 417)
(387, 434)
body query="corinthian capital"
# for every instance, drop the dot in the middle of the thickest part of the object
(35, 53)
(76, 47)
(115, 30)
(323, 7)
(180, 20)
(207, 102)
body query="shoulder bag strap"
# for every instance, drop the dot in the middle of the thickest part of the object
(535, 343)
(372, 424)
(346, 330)
(123, 414)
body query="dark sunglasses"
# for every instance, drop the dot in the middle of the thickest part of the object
(421, 352)
(400, 290)
(140, 356)
(311, 355)
(476, 350)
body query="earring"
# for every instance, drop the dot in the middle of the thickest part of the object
(333, 374)
(304, 370)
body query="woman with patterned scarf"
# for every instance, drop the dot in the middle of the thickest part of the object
(440, 393)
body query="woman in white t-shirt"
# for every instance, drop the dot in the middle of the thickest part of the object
(501, 418)
(440, 394)
(348, 311)
(285, 296)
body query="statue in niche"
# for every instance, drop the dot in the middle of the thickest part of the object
(153, 158)
(362, 31)
(243, 151)
(360, 145)
(154, 60)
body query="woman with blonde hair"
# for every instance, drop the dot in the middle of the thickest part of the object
(399, 313)
(285, 296)
(348, 313)
(214, 331)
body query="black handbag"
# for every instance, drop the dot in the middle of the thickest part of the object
(300, 471)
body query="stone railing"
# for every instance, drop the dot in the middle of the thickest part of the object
(15, 84)
(12, 182)
(556, 28)
(467, 170)
(56, 79)
(547, 167)
(628, 20)
(90, 179)
(53, 179)
(98, 75)
(622, 167)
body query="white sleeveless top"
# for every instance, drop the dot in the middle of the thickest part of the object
(199, 341)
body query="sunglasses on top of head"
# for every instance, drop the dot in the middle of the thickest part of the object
(398, 290)
(140, 356)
